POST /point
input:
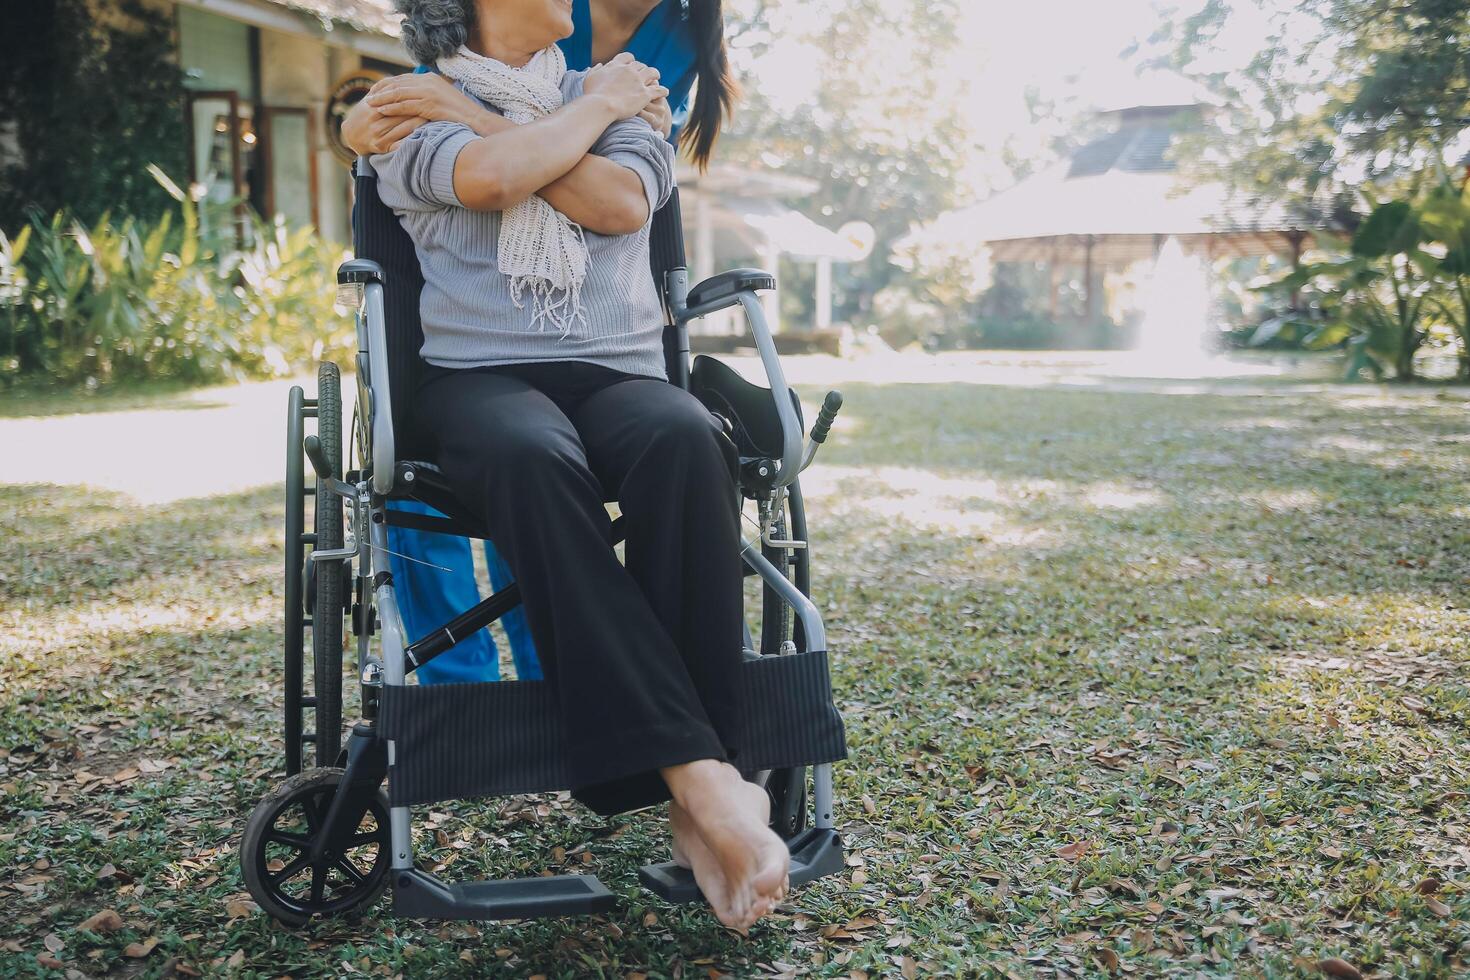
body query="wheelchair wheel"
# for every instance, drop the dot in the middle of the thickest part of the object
(275, 853)
(775, 613)
(328, 596)
(787, 787)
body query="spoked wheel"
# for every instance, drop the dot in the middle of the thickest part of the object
(275, 853)
(329, 597)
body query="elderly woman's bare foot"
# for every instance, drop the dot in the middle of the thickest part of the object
(738, 862)
(690, 851)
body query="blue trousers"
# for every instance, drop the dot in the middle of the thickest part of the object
(429, 597)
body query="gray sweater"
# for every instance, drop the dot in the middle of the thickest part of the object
(469, 317)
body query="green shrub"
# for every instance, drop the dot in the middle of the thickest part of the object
(128, 300)
(1403, 286)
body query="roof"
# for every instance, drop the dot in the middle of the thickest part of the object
(1132, 149)
(377, 16)
(736, 181)
(1053, 215)
(1122, 193)
(750, 224)
(1123, 88)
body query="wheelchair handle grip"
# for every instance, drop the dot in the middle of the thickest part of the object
(319, 462)
(830, 406)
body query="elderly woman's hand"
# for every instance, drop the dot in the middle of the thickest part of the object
(658, 115)
(626, 84)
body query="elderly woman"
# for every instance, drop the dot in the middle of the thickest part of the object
(545, 390)
(684, 39)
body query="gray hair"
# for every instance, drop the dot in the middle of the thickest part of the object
(433, 29)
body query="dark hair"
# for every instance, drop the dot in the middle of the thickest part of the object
(434, 29)
(717, 90)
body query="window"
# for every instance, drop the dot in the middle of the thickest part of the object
(262, 156)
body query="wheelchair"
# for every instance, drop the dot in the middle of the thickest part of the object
(330, 839)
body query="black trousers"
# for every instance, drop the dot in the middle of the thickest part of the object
(645, 657)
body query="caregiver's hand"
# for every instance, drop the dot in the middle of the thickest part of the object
(427, 96)
(658, 115)
(625, 84)
(368, 131)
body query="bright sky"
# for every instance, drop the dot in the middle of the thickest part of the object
(1069, 51)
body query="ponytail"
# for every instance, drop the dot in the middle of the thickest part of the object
(717, 89)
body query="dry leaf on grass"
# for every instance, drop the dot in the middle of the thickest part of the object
(1342, 969)
(1437, 907)
(237, 908)
(139, 950)
(1074, 851)
(105, 921)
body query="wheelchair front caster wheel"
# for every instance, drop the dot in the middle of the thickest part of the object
(276, 860)
(787, 789)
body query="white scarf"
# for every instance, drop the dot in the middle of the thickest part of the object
(540, 249)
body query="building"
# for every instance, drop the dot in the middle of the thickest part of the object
(267, 84)
(1120, 197)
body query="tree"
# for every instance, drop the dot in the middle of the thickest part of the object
(878, 134)
(1345, 92)
(89, 102)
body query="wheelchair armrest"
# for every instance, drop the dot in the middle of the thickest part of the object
(360, 271)
(738, 287)
(728, 286)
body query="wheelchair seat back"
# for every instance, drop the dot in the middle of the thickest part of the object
(378, 235)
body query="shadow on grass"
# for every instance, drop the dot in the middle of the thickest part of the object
(1214, 638)
(48, 401)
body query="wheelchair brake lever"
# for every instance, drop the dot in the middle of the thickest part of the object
(831, 405)
(349, 493)
(768, 510)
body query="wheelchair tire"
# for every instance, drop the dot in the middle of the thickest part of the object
(788, 787)
(275, 850)
(329, 600)
(775, 613)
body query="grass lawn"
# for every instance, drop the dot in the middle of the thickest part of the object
(1153, 679)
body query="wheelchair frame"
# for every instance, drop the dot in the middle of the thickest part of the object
(337, 801)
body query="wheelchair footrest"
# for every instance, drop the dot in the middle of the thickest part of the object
(419, 895)
(815, 853)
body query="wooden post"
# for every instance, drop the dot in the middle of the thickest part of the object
(1294, 238)
(1051, 282)
(824, 292)
(1089, 287)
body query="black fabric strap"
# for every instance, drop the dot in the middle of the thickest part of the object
(425, 522)
(456, 741)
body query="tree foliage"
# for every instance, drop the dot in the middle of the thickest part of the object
(878, 134)
(1345, 92)
(88, 102)
(1405, 278)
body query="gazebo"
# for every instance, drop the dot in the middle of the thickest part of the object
(733, 212)
(1120, 197)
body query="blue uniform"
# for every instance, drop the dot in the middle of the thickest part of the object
(427, 596)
